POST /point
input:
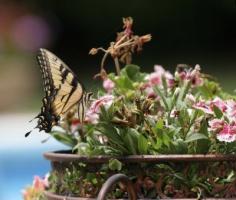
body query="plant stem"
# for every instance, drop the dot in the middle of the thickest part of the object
(103, 60)
(195, 114)
(121, 39)
(117, 64)
(102, 49)
(127, 43)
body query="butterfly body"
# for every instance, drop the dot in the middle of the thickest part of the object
(62, 91)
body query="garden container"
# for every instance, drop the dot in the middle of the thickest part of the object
(62, 160)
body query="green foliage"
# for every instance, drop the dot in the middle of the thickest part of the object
(64, 138)
(169, 121)
(132, 72)
(195, 136)
(115, 164)
(172, 180)
(165, 123)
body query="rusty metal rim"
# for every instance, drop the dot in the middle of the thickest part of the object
(67, 156)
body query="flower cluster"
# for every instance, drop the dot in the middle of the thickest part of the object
(224, 126)
(155, 78)
(136, 113)
(151, 113)
(194, 76)
(185, 105)
(35, 191)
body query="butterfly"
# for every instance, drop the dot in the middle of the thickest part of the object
(62, 91)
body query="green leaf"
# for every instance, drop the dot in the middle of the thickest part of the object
(132, 72)
(183, 91)
(179, 147)
(115, 164)
(162, 96)
(195, 136)
(64, 138)
(124, 83)
(160, 124)
(165, 139)
(109, 131)
(164, 83)
(131, 140)
(210, 89)
(217, 112)
(202, 146)
(183, 118)
(158, 144)
(142, 144)
(82, 148)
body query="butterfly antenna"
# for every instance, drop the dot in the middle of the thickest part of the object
(46, 139)
(34, 118)
(28, 133)
(31, 120)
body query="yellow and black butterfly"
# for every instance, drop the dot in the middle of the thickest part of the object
(63, 91)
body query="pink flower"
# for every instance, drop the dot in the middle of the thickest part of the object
(202, 105)
(92, 114)
(208, 106)
(227, 134)
(219, 103)
(150, 92)
(231, 109)
(36, 189)
(195, 76)
(39, 183)
(216, 125)
(192, 75)
(155, 78)
(169, 79)
(190, 99)
(182, 75)
(26, 194)
(159, 69)
(108, 85)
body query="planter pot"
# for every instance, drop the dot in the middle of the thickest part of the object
(64, 162)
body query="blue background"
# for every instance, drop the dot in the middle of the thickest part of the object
(21, 158)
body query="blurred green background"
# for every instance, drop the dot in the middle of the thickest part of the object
(184, 31)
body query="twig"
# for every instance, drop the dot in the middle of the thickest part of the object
(117, 64)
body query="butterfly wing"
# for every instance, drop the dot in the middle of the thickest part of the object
(61, 87)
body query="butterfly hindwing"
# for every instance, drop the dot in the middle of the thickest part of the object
(62, 89)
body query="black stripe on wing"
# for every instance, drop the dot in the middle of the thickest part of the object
(60, 84)
(47, 118)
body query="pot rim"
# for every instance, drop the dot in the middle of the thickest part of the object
(67, 156)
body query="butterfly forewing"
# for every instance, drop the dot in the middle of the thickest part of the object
(62, 89)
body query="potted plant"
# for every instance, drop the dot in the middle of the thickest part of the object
(172, 135)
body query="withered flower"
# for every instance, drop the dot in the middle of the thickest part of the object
(121, 50)
(93, 51)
